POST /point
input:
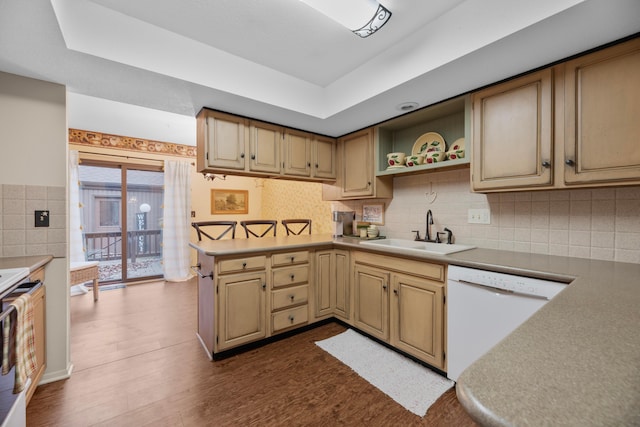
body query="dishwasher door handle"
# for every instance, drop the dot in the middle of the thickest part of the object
(502, 291)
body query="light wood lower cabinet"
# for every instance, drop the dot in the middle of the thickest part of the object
(417, 318)
(39, 302)
(332, 284)
(371, 292)
(290, 275)
(396, 300)
(241, 309)
(405, 310)
(232, 301)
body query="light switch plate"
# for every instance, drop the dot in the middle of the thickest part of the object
(41, 218)
(479, 216)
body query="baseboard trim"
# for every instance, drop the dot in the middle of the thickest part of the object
(63, 374)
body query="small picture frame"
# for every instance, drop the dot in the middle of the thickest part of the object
(229, 202)
(373, 214)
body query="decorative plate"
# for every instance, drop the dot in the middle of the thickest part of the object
(430, 141)
(458, 144)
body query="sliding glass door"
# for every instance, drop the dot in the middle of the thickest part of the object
(122, 219)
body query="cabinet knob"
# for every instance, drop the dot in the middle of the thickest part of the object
(395, 291)
(291, 318)
(384, 287)
(309, 164)
(316, 166)
(369, 184)
(546, 164)
(242, 155)
(292, 277)
(292, 297)
(253, 157)
(264, 286)
(293, 258)
(569, 162)
(244, 265)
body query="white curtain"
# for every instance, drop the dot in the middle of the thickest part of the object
(76, 245)
(175, 236)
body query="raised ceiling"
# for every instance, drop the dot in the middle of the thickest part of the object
(281, 61)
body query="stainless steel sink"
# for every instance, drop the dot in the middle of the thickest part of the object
(418, 246)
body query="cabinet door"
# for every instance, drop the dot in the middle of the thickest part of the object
(512, 134)
(324, 158)
(602, 112)
(332, 283)
(264, 142)
(39, 331)
(324, 283)
(342, 284)
(371, 311)
(241, 309)
(297, 153)
(357, 164)
(417, 318)
(225, 141)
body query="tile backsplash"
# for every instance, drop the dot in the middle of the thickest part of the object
(598, 223)
(18, 234)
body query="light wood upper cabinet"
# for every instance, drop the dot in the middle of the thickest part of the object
(264, 141)
(222, 141)
(602, 116)
(356, 171)
(512, 133)
(324, 157)
(296, 150)
(234, 145)
(573, 125)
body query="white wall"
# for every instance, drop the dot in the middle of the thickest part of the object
(116, 118)
(33, 137)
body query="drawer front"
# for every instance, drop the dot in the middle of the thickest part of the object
(289, 318)
(290, 276)
(289, 297)
(242, 264)
(289, 258)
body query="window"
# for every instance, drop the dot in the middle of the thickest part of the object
(108, 212)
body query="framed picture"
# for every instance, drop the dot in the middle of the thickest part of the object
(228, 202)
(373, 214)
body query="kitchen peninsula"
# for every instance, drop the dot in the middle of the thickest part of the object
(574, 362)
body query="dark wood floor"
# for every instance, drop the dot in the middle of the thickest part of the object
(138, 363)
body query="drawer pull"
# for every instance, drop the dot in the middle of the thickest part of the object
(264, 286)
(291, 318)
(292, 258)
(292, 297)
(244, 265)
(292, 277)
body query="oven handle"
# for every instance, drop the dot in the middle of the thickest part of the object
(500, 290)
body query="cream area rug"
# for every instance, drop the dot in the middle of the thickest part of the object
(408, 383)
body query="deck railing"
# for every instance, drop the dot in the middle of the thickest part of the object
(108, 246)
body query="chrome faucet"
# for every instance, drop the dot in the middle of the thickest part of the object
(427, 233)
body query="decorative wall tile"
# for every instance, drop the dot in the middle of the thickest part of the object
(19, 235)
(36, 192)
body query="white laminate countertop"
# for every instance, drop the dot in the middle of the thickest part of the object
(574, 362)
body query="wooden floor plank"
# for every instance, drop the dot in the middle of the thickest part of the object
(138, 362)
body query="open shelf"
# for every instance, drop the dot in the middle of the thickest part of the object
(451, 119)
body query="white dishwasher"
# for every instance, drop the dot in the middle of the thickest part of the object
(483, 307)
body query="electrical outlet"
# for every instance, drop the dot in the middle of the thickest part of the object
(479, 216)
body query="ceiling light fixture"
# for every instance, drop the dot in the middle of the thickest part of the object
(362, 17)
